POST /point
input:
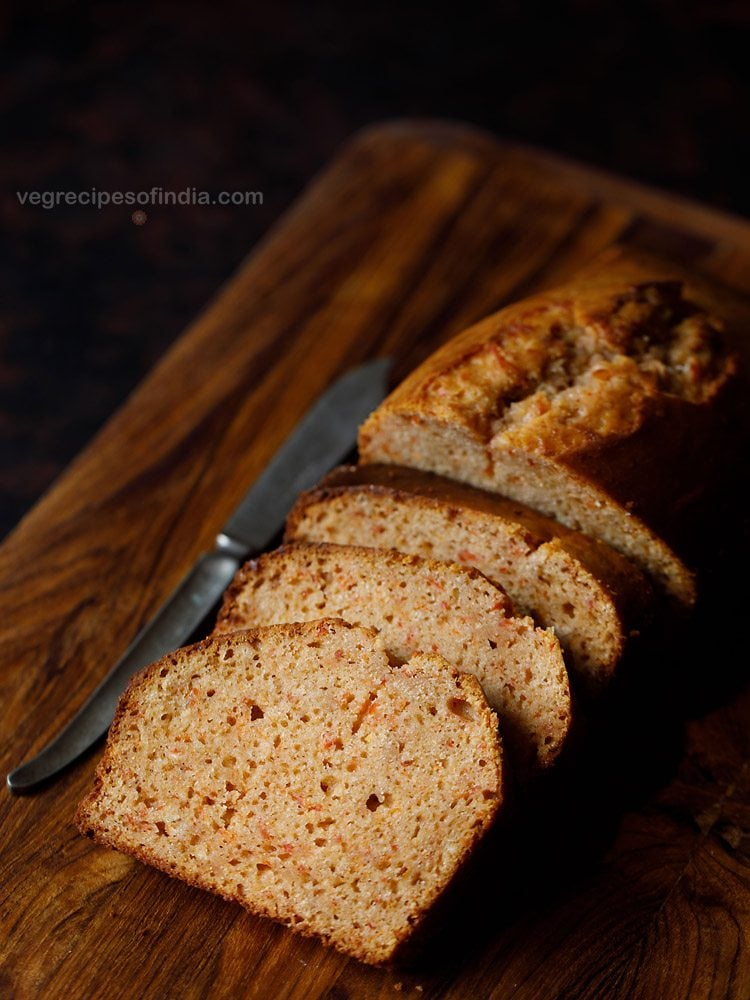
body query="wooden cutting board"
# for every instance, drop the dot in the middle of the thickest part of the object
(628, 877)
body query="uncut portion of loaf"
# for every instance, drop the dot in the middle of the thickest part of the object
(420, 605)
(591, 595)
(604, 403)
(292, 769)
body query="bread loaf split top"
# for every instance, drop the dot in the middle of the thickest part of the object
(294, 770)
(591, 595)
(421, 605)
(603, 403)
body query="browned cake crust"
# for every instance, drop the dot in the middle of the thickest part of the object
(421, 605)
(294, 771)
(591, 595)
(604, 403)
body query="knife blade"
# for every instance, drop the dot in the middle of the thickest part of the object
(322, 438)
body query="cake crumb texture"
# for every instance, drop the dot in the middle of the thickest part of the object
(421, 605)
(294, 770)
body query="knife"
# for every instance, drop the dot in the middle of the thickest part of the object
(321, 440)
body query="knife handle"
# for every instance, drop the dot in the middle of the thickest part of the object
(173, 623)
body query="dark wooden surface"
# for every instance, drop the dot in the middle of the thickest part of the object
(629, 874)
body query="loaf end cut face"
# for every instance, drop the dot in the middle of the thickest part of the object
(590, 403)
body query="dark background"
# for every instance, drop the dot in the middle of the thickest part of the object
(258, 97)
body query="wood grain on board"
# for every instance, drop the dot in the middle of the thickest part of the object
(629, 874)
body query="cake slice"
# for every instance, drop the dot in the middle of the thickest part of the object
(607, 403)
(420, 605)
(294, 770)
(591, 595)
